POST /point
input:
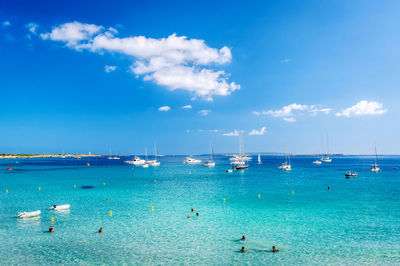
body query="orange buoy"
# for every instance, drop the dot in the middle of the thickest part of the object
(9, 168)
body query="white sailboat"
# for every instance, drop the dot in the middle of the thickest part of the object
(326, 158)
(111, 157)
(211, 162)
(240, 162)
(154, 162)
(190, 160)
(375, 168)
(286, 166)
(259, 159)
(318, 162)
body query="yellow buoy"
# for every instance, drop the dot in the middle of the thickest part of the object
(155, 180)
(52, 219)
(74, 185)
(292, 192)
(110, 213)
(88, 164)
(152, 208)
(40, 188)
(224, 199)
(259, 195)
(6, 190)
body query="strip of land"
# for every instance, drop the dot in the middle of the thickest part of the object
(25, 156)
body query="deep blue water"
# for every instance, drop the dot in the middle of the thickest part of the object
(356, 221)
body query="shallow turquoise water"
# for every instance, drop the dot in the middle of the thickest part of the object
(357, 221)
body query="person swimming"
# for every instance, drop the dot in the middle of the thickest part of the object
(189, 216)
(51, 230)
(192, 210)
(243, 238)
(197, 214)
(274, 249)
(54, 206)
(101, 230)
(243, 250)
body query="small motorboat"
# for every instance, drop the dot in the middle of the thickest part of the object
(229, 170)
(240, 167)
(22, 215)
(317, 162)
(145, 165)
(349, 174)
(60, 207)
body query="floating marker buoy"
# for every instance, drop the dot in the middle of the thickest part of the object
(9, 168)
(224, 199)
(104, 183)
(259, 195)
(88, 164)
(52, 219)
(155, 181)
(110, 213)
(152, 208)
(329, 188)
(190, 173)
(74, 185)
(292, 192)
(40, 188)
(6, 190)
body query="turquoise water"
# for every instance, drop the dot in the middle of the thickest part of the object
(356, 221)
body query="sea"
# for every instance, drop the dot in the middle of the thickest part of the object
(312, 214)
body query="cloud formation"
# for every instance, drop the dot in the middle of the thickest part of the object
(288, 112)
(32, 27)
(109, 69)
(175, 62)
(363, 108)
(6, 23)
(232, 134)
(259, 132)
(287, 60)
(164, 108)
(204, 112)
(187, 106)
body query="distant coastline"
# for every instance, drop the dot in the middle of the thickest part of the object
(27, 156)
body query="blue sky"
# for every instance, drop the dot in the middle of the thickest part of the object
(85, 77)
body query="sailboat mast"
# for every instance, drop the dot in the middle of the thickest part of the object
(376, 157)
(146, 152)
(327, 143)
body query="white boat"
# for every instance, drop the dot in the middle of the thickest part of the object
(375, 168)
(239, 163)
(60, 207)
(259, 159)
(136, 161)
(22, 215)
(317, 162)
(190, 160)
(145, 165)
(326, 158)
(153, 162)
(211, 162)
(286, 166)
(350, 174)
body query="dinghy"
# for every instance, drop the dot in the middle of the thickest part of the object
(28, 214)
(60, 207)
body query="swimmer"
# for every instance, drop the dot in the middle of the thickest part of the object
(243, 250)
(54, 206)
(197, 214)
(274, 249)
(189, 216)
(192, 210)
(243, 238)
(101, 230)
(51, 230)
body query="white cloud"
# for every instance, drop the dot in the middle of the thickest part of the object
(175, 62)
(288, 112)
(233, 133)
(187, 106)
(287, 60)
(164, 108)
(289, 119)
(32, 27)
(204, 112)
(109, 69)
(259, 132)
(363, 108)
(6, 23)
